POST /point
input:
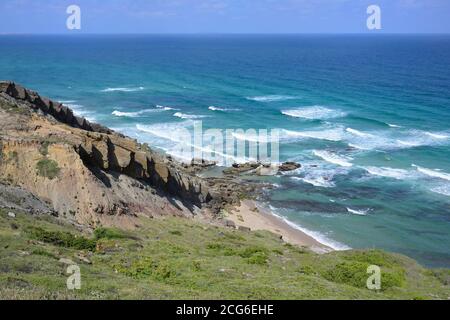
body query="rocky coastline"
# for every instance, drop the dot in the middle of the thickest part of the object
(92, 175)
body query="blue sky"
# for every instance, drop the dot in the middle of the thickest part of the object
(224, 16)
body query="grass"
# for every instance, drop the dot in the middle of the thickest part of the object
(175, 258)
(47, 168)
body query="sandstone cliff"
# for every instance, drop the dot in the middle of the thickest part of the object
(90, 173)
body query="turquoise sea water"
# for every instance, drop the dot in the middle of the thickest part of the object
(367, 116)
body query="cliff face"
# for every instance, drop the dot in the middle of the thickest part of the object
(88, 172)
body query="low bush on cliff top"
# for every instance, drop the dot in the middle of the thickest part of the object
(107, 233)
(62, 239)
(354, 273)
(47, 168)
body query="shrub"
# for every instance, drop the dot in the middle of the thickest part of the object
(146, 267)
(259, 258)
(307, 270)
(106, 233)
(44, 253)
(47, 168)
(62, 239)
(351, 273)
(44, 148)
(354, 273)
(197, 266)
(443, 275)
(372, 257)
(176, 233)
(250, 251)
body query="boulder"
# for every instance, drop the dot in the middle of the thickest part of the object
(289, 166)
(229, 224)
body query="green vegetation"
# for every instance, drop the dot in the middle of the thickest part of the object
(175, 258)
(106, 233)
(62, 239)
(47, 168)
(44, 148)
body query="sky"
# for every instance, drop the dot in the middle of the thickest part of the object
(224, 16)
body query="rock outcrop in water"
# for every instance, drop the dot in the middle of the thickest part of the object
(90, 173)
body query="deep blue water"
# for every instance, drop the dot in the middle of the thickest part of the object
(367, 116)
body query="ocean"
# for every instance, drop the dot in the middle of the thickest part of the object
(368, 117)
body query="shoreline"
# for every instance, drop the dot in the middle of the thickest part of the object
(250, 215)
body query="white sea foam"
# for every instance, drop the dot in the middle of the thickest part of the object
(255, 137)
(359, 133)
(317, 181)
(320, 237)
(409, 143)
(442, 189)
(169, 131)
(188, 116)
(165, 108)
(271, 98)
(358, 212)
(398, 174)
(333, 158)
(436, 135)
(213, 108)
(123, 89)
(393, 125)
(179, 135)
(335, 134)
(354, 146)
(81, 111)
(132, 114)
(313, 113)
(392, 140)
(433, 173)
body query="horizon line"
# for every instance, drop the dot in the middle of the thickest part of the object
(77, 33)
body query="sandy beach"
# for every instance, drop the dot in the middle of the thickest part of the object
(252, 216)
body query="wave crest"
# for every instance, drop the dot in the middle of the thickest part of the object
(313, 113)
(333, 158)
(188, 116)
(122, 89)
(271, 98)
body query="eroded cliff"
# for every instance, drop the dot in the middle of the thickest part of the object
(90, 173)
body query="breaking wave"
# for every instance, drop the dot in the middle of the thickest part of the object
(358, 212)
(398, 174)
(213, 108)
(271, 98)
(123, 89)
(188, 116)
(433, 173)
(313, 113)
(333, 158)
(132, 114)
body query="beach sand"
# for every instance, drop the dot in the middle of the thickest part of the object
(252, 216)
